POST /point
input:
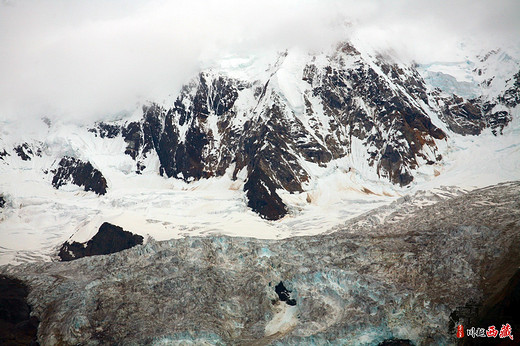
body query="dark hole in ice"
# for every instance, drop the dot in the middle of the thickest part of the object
(284, 294)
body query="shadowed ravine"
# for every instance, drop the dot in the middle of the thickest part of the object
(394, 273)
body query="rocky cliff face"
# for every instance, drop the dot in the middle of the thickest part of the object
(492, 108)
(310, 109)
(17, 326)
(380, 117)
(80, 173)
(397, 273)
(26, 151)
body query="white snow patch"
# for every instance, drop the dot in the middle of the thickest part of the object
(285, 318)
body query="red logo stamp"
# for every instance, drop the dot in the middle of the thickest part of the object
(460, 331)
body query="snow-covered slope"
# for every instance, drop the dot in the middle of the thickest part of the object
(306, 141)
(38, 218)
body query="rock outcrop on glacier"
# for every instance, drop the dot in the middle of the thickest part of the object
(26, 152)
(109, 239)
(3, 154)
(80, 173)
(397, 272)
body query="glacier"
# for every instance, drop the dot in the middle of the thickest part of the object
(379, 276)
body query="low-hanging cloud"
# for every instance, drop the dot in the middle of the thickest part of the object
(84, 61)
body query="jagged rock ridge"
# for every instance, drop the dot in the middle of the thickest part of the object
(3, 154)
(344, 101)
(26, 151)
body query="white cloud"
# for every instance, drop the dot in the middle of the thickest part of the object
(86, 60)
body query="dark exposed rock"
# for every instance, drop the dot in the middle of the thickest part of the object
(80, 173)
(391, 162)
(153, 127)
(3, 154)
(262, 196)
(2, 201)
(109, 239)
(17, 327)
(463, 116)
(26, 152)
(132, 135)
(221, 93)
(496, 120)
(145, 136)
(188, 156)
(197, 155)
(348, 93)
(157, 132)
(511, 96)
(105, 130)
(265, 175)
(471, 117)
(170, 152)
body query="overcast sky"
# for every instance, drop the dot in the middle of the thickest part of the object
(86, 60)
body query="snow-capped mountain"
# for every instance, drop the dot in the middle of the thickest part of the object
(260, 172)
(274, 138)
(379, 115)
